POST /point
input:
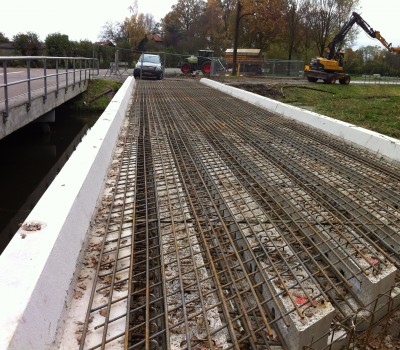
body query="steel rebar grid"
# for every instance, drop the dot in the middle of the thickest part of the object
(145, 324)
(226, 268)
(355, 242)
(109, 252)
(251, 221)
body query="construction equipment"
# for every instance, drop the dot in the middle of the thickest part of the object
(330, 68)
(194, 63)
(248, 60)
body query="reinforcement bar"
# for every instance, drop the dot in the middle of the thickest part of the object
(230, 227)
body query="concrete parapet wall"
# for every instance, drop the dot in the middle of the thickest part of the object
(37, 266)
(386, 146)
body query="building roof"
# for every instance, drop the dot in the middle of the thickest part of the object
(249, 52)
(105, 43)
(155, 37)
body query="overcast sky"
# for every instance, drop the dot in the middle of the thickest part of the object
(381, 15)
(83, 19)
(79, 19)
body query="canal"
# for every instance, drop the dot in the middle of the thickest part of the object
(30, 160)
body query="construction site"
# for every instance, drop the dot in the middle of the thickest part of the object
(227, 226)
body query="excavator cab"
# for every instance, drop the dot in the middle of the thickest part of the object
(340, 58)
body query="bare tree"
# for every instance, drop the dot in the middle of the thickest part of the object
(295, 11)
(112, 31)
(325, 19)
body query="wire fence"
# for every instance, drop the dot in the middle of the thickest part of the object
(378, 79)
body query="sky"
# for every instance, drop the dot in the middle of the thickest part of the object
(381, 15)
(84, 19)
(79, 19)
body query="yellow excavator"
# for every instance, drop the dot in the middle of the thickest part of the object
(330, 67)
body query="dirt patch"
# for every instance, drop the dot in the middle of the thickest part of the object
(272, 91)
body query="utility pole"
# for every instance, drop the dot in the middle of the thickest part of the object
(239, 16)
(236, 37)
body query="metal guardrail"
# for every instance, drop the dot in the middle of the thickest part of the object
(52, 72)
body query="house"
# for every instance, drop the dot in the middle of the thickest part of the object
(156, 39)
(7, 49)
(105, 43)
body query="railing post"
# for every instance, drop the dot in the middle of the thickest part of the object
(80, 72)
(5, 112)
(66, 75)
(28, 67)
(57, 80)
(45, 79)
(74, 71)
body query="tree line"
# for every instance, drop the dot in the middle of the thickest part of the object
(284, 29)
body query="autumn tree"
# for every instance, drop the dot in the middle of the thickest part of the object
(188, 11)
(137, 27)
(268, 23)
(183, 25)
(227, 8)
(213, 28)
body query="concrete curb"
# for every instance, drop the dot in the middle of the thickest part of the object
(384, 145)
(37, 266)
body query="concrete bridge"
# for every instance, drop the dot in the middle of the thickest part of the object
(38, 268)
(33, 92)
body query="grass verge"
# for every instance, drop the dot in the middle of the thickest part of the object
(374, 107)
(97, 96)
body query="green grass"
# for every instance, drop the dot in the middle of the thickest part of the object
(92, 99)
(374, 107)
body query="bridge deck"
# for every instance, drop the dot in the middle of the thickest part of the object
(29, 95)
(225, 226)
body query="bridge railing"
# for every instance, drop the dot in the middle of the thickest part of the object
(26, 76)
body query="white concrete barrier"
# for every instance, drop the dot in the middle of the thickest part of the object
(386, 146)
(37, 266)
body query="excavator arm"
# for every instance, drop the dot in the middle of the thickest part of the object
(356, 18)
(386, 44)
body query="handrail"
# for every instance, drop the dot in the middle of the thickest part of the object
(79, 69)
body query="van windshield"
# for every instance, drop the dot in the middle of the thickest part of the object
(151, 59)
